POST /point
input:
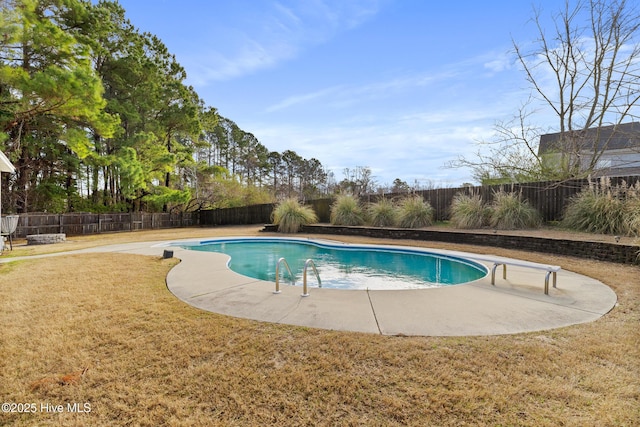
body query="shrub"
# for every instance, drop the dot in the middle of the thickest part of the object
(346, 211)
(289, 215)
(603, 208)
(594, 213)
(469, 211)
(509, 212)
(415, 213)
(383, 213)
(632, 216)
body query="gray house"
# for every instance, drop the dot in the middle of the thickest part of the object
(610, 150)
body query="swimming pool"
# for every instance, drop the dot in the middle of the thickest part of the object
(344, 266)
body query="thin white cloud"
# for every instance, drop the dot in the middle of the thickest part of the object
(281, 31)
(499, 64)
(252, 55)
(302, 99)
(344, 96)
(286, 17)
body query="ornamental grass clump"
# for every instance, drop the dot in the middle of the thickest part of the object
(290, 216)
(632, 216)
(604, 208)
(510, 212)
(383, 213)
(469, 211)
(594, 212)
(347, 211)
(415, 213)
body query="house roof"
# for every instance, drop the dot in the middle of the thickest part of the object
(626, 135)
(5, 164)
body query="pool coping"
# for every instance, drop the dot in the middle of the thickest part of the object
(338, 245)
(515, 305)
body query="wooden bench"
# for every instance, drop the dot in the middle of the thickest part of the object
(550, 269)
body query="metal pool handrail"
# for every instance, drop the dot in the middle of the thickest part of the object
(293, 278)
(308, 263)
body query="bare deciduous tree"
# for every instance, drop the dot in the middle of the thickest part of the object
(586, 69)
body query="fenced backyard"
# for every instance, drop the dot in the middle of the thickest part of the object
(549, 198)
(257, 214)
(74, 224)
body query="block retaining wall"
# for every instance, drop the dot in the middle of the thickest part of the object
(601, 251)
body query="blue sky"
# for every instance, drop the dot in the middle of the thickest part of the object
(400, 86)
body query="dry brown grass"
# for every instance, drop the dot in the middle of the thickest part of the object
(152, 360)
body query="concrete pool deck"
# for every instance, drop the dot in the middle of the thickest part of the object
(515, 305)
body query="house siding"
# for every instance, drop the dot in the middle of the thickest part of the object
(622, 157)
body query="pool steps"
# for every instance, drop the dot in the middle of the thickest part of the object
(309, 262)
(286, 265)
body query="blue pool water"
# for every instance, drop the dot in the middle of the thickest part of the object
(344, 266)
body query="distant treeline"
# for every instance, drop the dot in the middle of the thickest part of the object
(96, 116)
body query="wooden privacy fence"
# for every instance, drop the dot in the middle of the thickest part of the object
(257, 214)
(550, 201)
(550, 198)
(74, 224)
